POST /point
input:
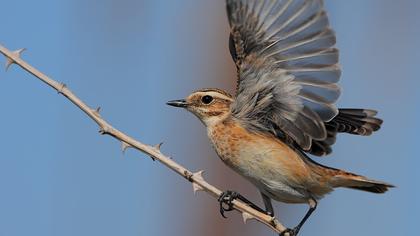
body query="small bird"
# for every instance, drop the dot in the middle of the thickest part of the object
(284, 107)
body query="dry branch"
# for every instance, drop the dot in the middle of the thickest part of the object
(197, 180)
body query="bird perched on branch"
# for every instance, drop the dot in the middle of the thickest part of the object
(284, 107)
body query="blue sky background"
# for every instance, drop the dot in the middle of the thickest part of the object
(59, 177)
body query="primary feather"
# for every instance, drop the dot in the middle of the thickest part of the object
(287, 67)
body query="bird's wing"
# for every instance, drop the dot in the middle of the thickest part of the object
(287, 67)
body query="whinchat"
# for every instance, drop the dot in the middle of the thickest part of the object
(284, 108)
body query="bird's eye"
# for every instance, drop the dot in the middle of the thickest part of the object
(207, 99)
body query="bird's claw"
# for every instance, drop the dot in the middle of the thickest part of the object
(225, 200)
(290, 232)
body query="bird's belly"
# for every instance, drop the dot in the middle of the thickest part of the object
(264, 164)
(270, 177)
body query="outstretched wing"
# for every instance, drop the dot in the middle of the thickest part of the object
(287, 66)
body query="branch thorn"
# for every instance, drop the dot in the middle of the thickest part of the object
(62, 87)
(158, 146)
(198, 176)
(153, 158)
(104, 130)
(246, 217)
(125, 146)
(97, 112)
(9, 62)
(15, 54)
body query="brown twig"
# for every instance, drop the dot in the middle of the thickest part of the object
(197, 180)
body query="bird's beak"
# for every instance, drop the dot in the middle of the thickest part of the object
(178, 103)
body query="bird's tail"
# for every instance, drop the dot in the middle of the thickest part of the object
(356, 121)
(353, 181)
(352, 121)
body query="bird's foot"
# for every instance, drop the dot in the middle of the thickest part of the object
(290, 232)
(226, 203)
(225, 200)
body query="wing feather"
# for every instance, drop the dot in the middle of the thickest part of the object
(287, 66)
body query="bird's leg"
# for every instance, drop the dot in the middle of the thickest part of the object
(226, 199)
(293, 232)
(267, 203)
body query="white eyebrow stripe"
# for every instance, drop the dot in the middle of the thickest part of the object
(215, 95)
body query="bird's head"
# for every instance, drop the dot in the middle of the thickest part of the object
(209, 105)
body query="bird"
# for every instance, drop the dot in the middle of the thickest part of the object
(284, 108)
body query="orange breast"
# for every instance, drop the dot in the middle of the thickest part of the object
(227, 139)
(266, 155)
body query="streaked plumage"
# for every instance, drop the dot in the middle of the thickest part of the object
(284, 105)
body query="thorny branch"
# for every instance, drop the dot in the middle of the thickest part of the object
(197, 180)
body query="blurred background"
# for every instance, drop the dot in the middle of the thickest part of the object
(59, 177)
